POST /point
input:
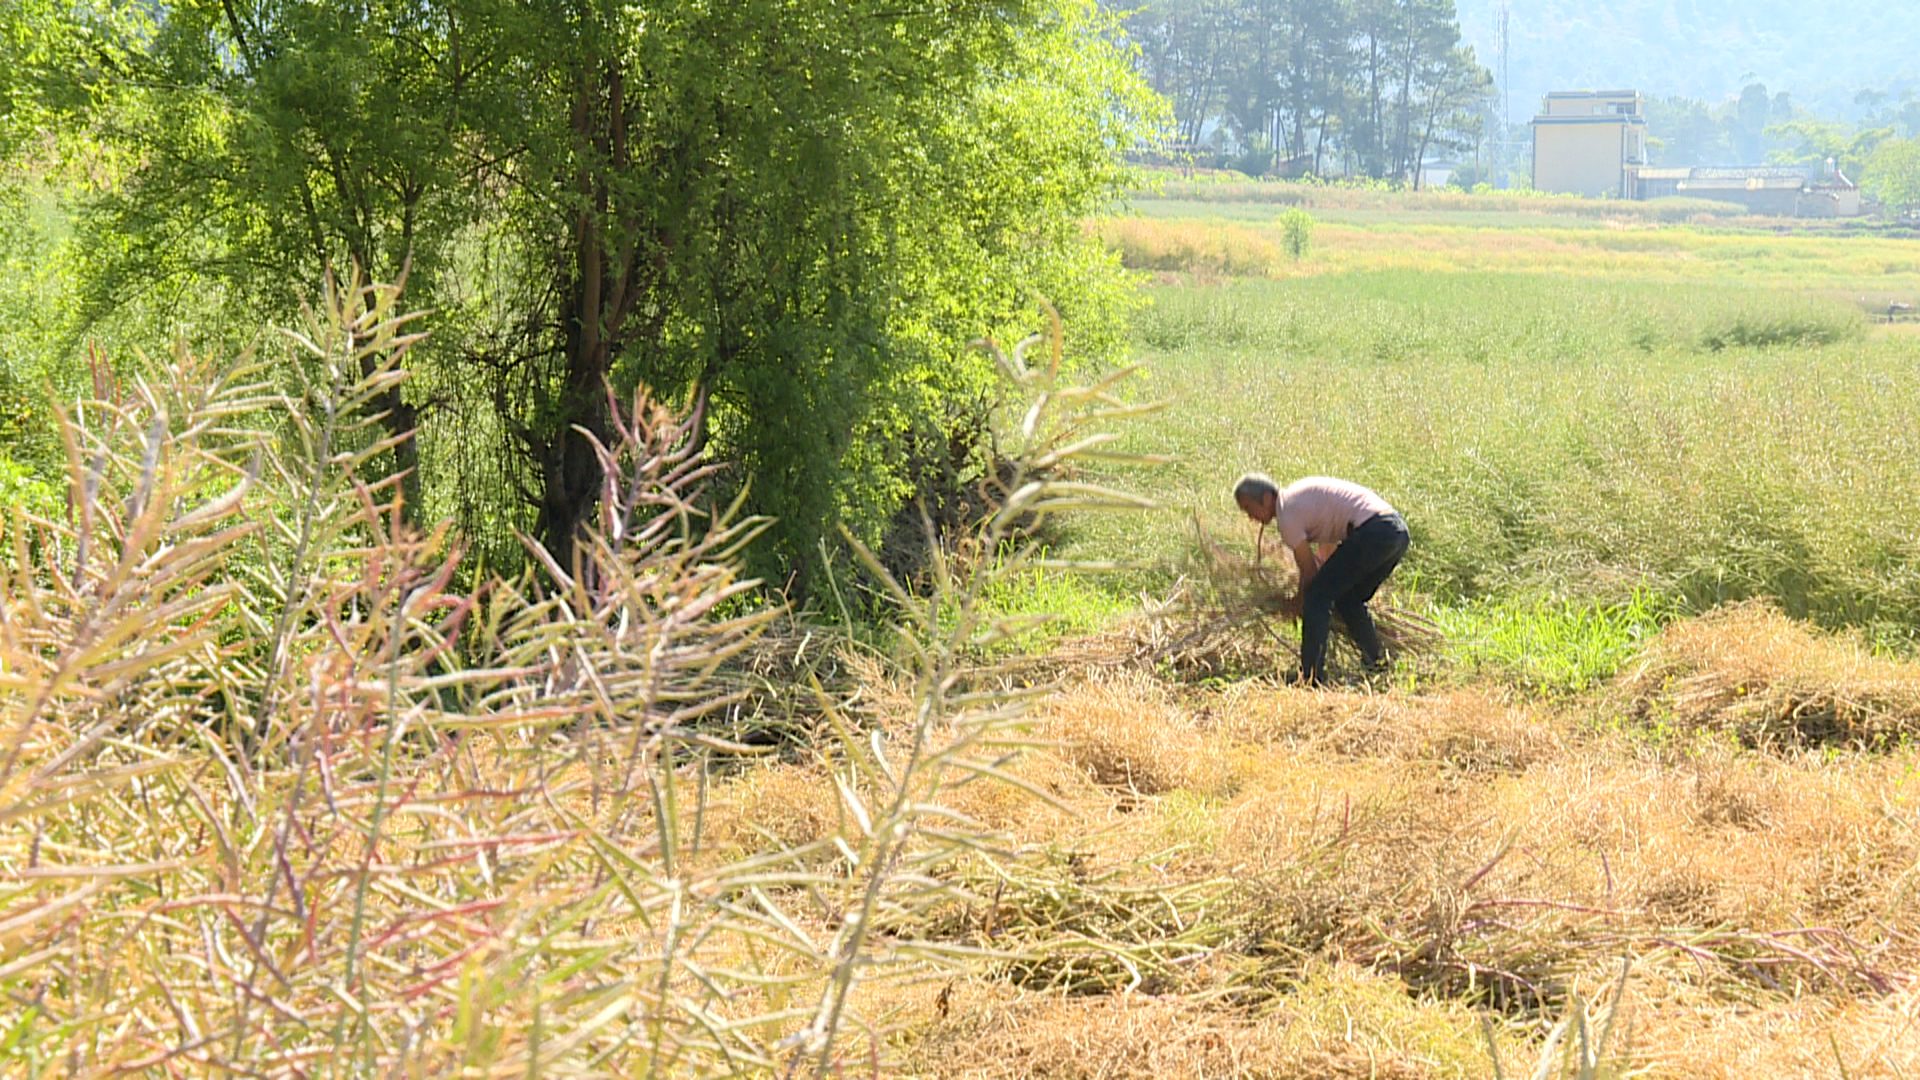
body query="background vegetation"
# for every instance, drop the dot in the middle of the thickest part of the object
(1314, 86)
(1706, 50)
(1379, 88)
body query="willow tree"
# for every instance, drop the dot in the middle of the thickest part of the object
(794, 212)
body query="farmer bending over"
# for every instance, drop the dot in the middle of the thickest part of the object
(1367, 539)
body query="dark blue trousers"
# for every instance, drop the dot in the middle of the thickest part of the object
(1346, 581)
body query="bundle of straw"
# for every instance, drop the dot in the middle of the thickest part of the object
(1750, 669)
(1228, 613)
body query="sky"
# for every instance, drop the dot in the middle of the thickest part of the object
(1707, 49)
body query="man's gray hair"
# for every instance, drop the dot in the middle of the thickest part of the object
(1255, 487)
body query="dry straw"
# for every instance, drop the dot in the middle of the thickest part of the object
(1750, 670)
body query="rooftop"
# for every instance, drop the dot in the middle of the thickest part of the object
(1748, 172)
(1599, 118)
(1743, 183)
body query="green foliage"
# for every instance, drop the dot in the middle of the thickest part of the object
(1549, 644)
(33, 286)
(1893, 174)
(41, 42)
(1899, 115)
(1684, 131)
(996, 221)
(1316, 85)
(20, 488)
(1751, 127)
(1296, 229)
(1815, 142)
(790, 228)
(1782, 326)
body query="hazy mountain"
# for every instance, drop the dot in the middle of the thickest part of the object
(1821, 54)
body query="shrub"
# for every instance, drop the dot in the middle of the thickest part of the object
(1768, 329)
(1296, 225)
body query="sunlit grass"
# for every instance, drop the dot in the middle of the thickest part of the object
(1546, 643)
(1068, 604)
(1247, 242)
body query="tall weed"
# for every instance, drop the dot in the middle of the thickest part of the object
(281, 799)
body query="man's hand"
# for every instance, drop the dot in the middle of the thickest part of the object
(1307, 562)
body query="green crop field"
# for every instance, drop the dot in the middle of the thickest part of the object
(1585, 412)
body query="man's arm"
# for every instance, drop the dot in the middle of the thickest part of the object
(1307, 562)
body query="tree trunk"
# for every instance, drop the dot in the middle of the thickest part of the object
(570, 474)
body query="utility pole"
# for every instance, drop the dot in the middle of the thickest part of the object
(1501, 171)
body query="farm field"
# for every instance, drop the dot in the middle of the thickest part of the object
(1712, 429)
(1240, 239)
(1652, 808)
(1649, 471)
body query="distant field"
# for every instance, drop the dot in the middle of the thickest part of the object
(1561, 407)
(1234, 189)
(1244, 240)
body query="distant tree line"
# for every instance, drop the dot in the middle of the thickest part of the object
(1354, 87)
(1741, 130)
(1881, 151)
(1759, 127)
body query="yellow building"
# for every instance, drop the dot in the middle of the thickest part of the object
(1585, 142)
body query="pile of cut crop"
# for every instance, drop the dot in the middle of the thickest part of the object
(1750, 670)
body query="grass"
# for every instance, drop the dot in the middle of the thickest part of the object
(1546, 644)
(1069, 605)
